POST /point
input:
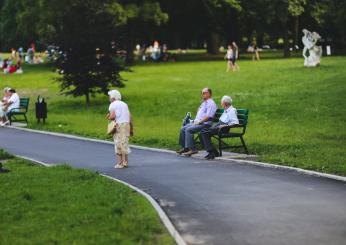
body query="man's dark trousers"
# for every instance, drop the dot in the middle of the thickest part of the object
(206, 135)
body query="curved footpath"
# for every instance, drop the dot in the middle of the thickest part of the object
(210, 202)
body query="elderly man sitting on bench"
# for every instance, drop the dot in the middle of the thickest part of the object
(202, 121)
(228, 118)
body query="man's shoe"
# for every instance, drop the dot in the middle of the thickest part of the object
(216, 153)
(190, 153)
(181, 151)
(6, 123)
(208, 155)
(211, 156)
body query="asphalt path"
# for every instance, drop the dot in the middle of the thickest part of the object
(210, 202)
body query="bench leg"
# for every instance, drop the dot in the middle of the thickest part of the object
(220, 147)
(244, 145)
(26, 120)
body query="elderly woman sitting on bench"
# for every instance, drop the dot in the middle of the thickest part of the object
(228, 118)
(3, 102)
(12, 103)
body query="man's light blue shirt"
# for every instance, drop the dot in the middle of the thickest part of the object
(207, 109)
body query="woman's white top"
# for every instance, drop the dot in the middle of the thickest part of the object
(121, 110)
(229, 53)
(229, 116)
(15, 102)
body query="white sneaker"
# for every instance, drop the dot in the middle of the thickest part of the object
(118, 166)
(6, 123)
(2, 124)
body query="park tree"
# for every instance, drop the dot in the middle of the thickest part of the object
(17, 23)
(221, 16)
(296, 8)
(89, 34)
(280, 19)
(200, 20)
(85, 32)
(138, 18)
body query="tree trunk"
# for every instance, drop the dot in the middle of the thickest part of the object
(286, 44)
(130, 45)
(87, 99)
(260, 38)
(213, 43)
(130, 58)
(296, 30)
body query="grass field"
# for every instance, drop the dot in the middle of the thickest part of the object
(61, 205)
(297, 115)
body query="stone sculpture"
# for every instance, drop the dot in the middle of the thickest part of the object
(311, 52)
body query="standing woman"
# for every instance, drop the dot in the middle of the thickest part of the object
(255, 55)
(229, 56)
(119, 111)
(235, 55)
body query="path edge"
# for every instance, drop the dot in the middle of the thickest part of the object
(255, 163)
(162, 215)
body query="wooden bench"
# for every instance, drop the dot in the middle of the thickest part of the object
(235, 131)
(21, 111)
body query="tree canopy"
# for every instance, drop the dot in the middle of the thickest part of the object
(91, 32)
(180, 23)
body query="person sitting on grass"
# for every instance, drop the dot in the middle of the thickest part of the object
(2, 105)
(228, 118)
(203, 120)
(12, 104)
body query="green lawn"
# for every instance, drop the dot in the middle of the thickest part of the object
(297, 115)
(61, 205)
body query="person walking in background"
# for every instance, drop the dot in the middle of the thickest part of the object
(21, 54)
(13, 54)
(119, 112)
(203, 120)
(235, 55)
(255, 54)
(229, 57)
(228, 118)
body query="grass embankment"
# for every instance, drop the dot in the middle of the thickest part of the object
(297, 115)
(61, 205)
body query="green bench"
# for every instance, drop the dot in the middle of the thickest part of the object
(21, 111)
(235, 131)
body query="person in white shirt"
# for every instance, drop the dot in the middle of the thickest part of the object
(228, 118)
(12, 104)
(2, 106)
(229, 57)
(119, 112)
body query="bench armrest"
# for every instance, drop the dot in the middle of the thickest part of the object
(15, 109)
(228, 127)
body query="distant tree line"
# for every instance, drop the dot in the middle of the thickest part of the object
(180, 23)
(91, 32)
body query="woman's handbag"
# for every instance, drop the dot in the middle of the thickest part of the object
(112, 128)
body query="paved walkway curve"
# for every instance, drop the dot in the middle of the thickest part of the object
(211, 202)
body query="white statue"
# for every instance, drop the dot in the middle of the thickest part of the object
(315, 52)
